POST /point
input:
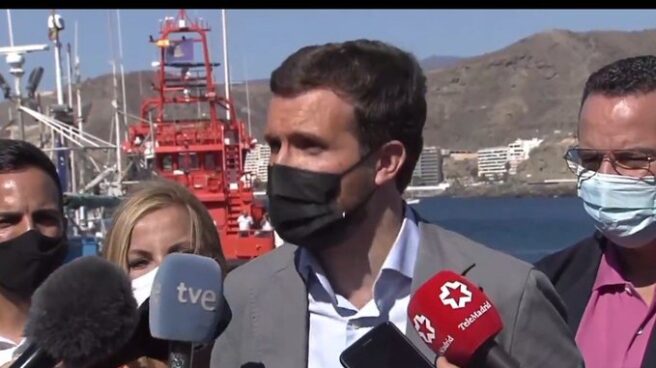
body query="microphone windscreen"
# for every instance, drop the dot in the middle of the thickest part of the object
(83, 312)
(453, 316)
(187, 302)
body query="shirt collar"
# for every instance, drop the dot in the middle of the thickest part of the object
(403, 254)
(6, 343)
(609, 273)
(401, 257)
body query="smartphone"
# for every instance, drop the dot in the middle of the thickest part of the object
(383, 347)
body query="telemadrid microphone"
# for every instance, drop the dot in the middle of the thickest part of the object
(187, 306)
(458, 321)
(81, 314)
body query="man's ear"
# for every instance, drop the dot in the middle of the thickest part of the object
(390, 161)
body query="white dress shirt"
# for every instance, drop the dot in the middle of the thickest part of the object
(335, 323)
(9, 350)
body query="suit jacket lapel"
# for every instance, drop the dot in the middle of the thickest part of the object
(577, 295)
(649, 360)
(431, 259)
(284, 314)
(576, 286)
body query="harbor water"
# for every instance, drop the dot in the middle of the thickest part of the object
(527, 228)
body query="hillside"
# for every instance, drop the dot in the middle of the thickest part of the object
(528, 89)
(439, 62)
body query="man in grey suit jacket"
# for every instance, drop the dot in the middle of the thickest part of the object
(345, 129)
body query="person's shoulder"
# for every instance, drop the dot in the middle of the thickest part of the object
(257, 272)
(570, 251)
(474, 252)
(583, 252)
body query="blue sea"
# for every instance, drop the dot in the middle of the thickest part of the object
(527, 228)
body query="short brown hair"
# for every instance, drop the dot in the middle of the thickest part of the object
(385, 84)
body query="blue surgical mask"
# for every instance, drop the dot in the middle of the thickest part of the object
(623, 208)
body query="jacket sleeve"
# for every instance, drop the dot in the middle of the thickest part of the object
(540, 335)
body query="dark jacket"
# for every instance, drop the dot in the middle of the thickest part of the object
(573, 272)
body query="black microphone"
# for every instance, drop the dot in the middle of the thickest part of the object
(141, 344)
(82, 314)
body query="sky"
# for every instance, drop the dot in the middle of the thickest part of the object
(260, 39)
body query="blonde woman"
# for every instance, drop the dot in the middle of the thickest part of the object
(158, 219)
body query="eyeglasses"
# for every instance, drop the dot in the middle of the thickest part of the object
(585, 162)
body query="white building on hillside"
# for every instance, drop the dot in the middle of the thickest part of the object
(257, 161)
(428, 170)
(496, 161)
(519, 151)
(492, 161)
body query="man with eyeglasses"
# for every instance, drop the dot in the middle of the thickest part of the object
(607, 281)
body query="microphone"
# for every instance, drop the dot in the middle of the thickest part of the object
(80, 315)
(187, 305)
(458, 321)
(141, 344)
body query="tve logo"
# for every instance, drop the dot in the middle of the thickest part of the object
(187, 302)
(207, 298)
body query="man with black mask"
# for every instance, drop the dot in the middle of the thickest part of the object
(32, 235)
(345, 129)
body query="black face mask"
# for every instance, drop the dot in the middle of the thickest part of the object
(303, 207)
(29, 259)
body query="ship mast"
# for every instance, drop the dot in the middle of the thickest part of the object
(69, 77)
(117, 121)
(120, 60)
(57, 26)
(19, 101)
(226, 73)
(248, 99)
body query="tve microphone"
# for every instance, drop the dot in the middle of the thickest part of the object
(80, 315)
(457, 320)
(187, 304)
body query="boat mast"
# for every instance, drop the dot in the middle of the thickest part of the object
(69, 77)
(58, 68)
(17, 86)
(248, 99)
(226, 73)
(55, 26)
(117, 123)
(120, 60)
(11, 30)
(78, 81)
(81, 212)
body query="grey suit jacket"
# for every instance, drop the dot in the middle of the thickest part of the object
(269, 302)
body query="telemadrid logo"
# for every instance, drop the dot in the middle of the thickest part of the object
(424, 328)
(455, 294)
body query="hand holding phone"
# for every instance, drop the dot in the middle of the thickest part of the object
(383, 347)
